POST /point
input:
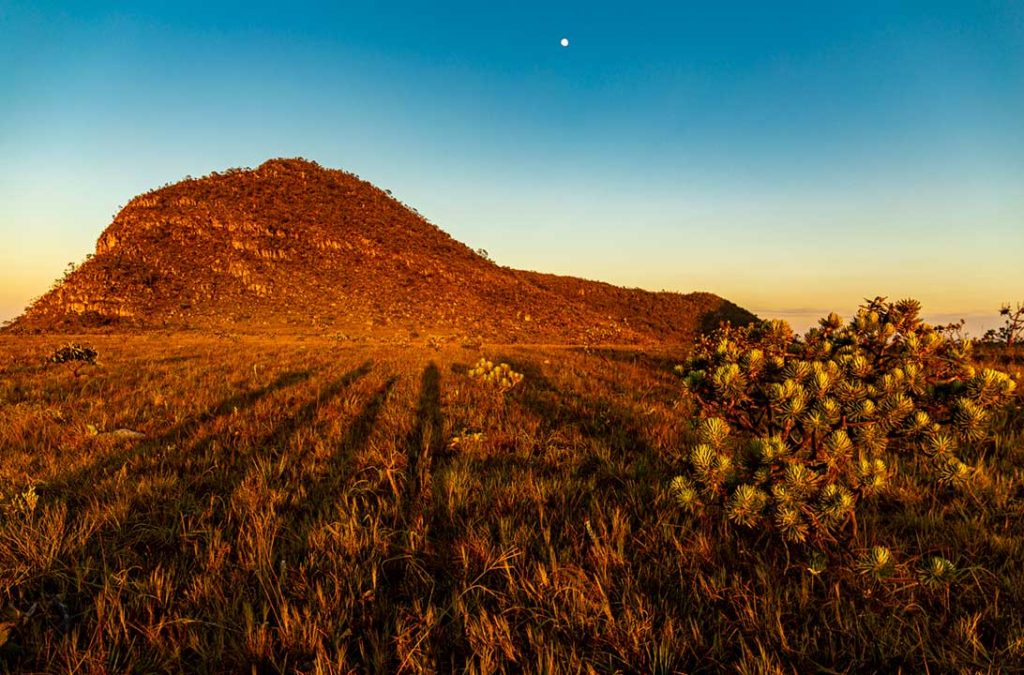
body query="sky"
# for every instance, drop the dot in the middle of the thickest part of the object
(795, 158)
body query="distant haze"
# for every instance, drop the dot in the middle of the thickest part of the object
(801, 320)
(805, 156)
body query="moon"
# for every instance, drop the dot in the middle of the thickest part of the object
(565, 42)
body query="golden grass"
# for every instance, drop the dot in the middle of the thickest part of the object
(306, 506)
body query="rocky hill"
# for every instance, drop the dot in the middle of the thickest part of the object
(291, 245)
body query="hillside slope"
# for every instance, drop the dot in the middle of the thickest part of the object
(291, 245)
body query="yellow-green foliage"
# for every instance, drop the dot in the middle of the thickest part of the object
(797, 430)
(501, 376)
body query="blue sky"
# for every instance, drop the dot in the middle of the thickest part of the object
(792, 157)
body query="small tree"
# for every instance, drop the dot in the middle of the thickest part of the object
(1012, 330)
(75, 355)
(796, 431)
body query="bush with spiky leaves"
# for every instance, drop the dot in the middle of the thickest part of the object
(501, 375)
(797, 430)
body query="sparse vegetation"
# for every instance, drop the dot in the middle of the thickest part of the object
(351, 507)
(1010, 333)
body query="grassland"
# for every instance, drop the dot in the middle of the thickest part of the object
(305, 505)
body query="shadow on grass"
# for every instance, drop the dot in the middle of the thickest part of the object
(174, 359)
(151, 531)
(605, 421)
(425, 441)
(225, 478)
(88, 476)
(654, 362)
(423, 569)
(322, 494)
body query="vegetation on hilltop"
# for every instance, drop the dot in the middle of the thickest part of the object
(293, 246)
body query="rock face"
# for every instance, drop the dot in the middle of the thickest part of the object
(292, 245)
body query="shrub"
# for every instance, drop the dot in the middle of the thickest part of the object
(75, 355)
(796, 431)
(19, 503)
(501, 376)
(1012, 330)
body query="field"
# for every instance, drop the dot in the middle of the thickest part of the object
(309, 505)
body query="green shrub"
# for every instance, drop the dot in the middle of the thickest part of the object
(796, 431)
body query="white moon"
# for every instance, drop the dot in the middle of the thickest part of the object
(565, 42)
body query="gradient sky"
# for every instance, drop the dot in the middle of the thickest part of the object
(793, 157)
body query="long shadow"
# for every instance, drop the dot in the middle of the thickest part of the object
(599, 419)
(624, 472)
(298, 522)
(151, 532)
(633, 357)
(322, 493)
(221, 476)
(92, 473)
(427, 454)
(425, 442)
(226, 479)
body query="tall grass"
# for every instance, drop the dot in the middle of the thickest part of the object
(300, 506)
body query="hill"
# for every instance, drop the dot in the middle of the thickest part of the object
(291, 245)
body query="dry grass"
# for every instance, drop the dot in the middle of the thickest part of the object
(300, 505)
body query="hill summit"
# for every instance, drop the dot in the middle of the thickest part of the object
(291, 245)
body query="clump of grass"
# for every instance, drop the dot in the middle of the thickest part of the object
(876, 562)
(937, 571)
(20, 503)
